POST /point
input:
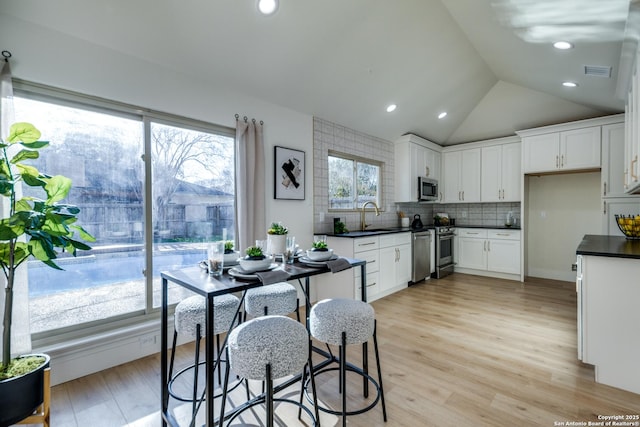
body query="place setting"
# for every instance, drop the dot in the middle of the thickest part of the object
(320, 255)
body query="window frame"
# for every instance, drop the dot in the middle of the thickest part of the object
(357, 159)
(66, 98)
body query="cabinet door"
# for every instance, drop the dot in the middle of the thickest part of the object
(387, 268)
(432, 164)
(405, 184)
(612, 176)
(503, 256)
(613, 207)
(470, 175)
(403, 266)
(491, 181)
(541, 153)
(471, 253)
(580, 148)
(511, 172)
(451, 177)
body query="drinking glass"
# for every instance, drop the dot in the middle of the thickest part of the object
(215, 254)
(290, 250)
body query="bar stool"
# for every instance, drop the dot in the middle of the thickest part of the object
(264, 349)
(342, 322)
(276, 299)
(190, 316)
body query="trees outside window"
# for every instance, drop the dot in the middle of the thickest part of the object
(352, 181)
(191, 176)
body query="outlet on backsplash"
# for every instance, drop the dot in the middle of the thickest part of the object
(463, 214)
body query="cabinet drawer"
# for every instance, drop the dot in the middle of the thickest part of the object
(372, 285)
(478, 233)
(365, 244)
(395, 239)
(504, 234)
(373, 262)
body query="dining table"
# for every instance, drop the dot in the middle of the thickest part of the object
(201, 283)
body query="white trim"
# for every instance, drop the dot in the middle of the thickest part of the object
(599, 121)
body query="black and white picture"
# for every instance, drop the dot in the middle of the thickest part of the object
(289, 174)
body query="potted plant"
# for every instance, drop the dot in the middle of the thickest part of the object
(230, 255)
(319, 251)
(277, 238)
(38, 228)
(255, 260)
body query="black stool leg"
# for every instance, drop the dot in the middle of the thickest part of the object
(224, 390)
(269, 397)
(219, 361)
(343, 377)
(195, 370)
(375, 347)
(298, 308)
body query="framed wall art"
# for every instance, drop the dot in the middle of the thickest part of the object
(289, 174)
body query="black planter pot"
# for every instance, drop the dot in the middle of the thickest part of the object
(20, 396)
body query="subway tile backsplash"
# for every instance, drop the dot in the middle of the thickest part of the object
(329, 136)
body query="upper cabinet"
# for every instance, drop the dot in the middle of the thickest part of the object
(613, 166)
(461, 176)
(414, 157)
(563, 151)
(500, 181)
(632, 134)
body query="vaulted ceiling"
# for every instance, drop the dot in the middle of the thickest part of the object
(488, 63)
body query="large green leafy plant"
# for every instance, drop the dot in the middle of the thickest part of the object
(31, 227)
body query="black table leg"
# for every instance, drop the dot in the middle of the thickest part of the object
(163, 351)
(210, 363)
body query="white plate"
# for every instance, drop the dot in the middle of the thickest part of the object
(310, 263)
(239, 273)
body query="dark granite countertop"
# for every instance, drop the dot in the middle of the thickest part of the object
(489, 227)
(609, 246)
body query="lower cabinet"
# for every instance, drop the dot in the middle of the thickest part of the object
(488, 251)
(388, 268)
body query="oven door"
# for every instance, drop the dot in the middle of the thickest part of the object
(445, 250)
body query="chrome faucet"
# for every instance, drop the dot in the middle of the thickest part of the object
(363, 224)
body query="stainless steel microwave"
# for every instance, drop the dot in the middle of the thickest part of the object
(427, 189)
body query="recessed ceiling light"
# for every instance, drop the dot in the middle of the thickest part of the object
(442, 115)
(391, 108)
(569, 84)
(267, 7)
(562, 45)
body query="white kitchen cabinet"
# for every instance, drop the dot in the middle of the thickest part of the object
(501, 173)
(576, 149)
(488, 251)
(631, 168)
(414, 157)
(617, 206)
(613, 170)
(395, 261)
(388, 269)
(609, 319)
(461, 176)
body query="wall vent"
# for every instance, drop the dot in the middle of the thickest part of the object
(597, 71)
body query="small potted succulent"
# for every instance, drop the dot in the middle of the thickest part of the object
(277, 238)
(254, 260)
(230, 255)
(320, 251)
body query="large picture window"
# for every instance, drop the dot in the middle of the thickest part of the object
(353, 181)
(163, 220)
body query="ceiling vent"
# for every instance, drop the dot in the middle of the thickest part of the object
(597, 71)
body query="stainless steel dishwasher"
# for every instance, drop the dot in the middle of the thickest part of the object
(421, 252)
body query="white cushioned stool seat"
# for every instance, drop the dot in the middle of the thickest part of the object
(191, 312)
(329, 318)
(278, 341)
(279, 298)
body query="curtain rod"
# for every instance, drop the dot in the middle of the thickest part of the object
(246, 119)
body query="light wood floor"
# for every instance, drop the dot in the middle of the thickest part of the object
(460, 351)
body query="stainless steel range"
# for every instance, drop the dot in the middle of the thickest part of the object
(444, 251)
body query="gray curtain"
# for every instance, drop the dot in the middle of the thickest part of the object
(20, 331)
(250, 183)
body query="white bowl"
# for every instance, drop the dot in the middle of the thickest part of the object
(319, 255)
(231, 258)
(252, 265)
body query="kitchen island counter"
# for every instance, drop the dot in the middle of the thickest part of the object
(609, 246)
